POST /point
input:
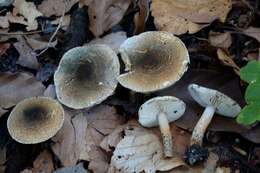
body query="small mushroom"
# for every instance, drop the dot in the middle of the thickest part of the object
(213, 101)
(154, 61)
(35, 120)
(160, 111)
(86, 76)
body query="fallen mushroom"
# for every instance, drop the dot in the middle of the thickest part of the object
(86, 76)
(154, 61)
(213, 101)
(35, 120)
(160, 111)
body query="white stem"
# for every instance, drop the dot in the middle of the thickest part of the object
(166, 134)
(202, 124)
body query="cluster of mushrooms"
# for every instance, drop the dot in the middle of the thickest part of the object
(88, 75)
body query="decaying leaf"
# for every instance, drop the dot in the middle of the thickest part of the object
(113, 40)
(27, 56)
(104, 14)
(141, 17)
(190, 16)
(222, 40)
(18, 86)
(15, 19)
(50, 92)
(79, 168)
(29, 11)
(43, 163)
(4, 22)
(227, 60)
(253, 32)
(65, 22)
(36, 44)
(3, 48)
(137, 153)
(56, 7)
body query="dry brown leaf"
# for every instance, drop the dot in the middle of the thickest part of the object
(79, 168)
(36, 44)
(56, 7)
(253, 32)
(113, 40)
(29, 11)
(16, 19)
(137, 153)
(65, 22)
(43, 163)
(27, 56)
(222, 40)
(3, 48)
(104, 14)
(227, 60)
(18, 86)
(141, 17)
(180, 16)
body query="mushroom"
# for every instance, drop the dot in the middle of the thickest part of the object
(154, 61)
(35, 120)
(213, 101)
(160, 111)
(86, 76)
(5, 3)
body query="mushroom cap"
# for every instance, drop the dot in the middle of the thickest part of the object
(154, 61)
(171, 106)
(86, 76)
(35, 120)
(208, 97)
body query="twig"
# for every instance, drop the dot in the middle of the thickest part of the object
(20, 33)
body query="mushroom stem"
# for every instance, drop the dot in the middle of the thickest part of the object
(166, 134)
(202, 124)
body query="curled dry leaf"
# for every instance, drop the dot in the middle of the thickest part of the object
(228, 61)
(113, 40)
(104, 14)
(222, 40)
(18, 86)
(143, 152)
(29, 11)
(190, 16)
(253, 32)
(27, 56)
(56, 7)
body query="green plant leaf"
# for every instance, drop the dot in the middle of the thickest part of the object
(249, 114)
(253, 92)
(251, 72)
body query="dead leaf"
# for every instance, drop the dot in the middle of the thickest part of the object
(43, 163)
(137, 153)
(113, 40)
(79, 168)
(36, 44)
(16, 19)
(27, 56)
(3, 48)
(56, 7)
(65, 22)
(222, 40)
(141, 17)
(228, 61)
(190, 16)
(4, 22)
(50, 92)
(29, 11)
(253, 32)
(104, 14)
(18, 86)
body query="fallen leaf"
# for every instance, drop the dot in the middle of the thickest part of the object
(4, 23)
(142, 153)
(27, 56)
(29, 11)
(36, 44)
(56, 7)
(253, 32)
(3, 48)
(104, 14)
(113, 40)
(190, 16)
(65, 22)
(227, 60)
(16, 87)
(16, 19)
(43, 163)
(79, 168)
(50, 92)
(141, 17)
(222, 40)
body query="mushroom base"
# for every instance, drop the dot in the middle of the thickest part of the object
(196, 154)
